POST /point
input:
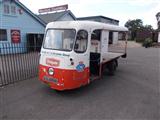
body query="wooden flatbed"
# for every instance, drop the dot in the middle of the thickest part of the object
(111, 56)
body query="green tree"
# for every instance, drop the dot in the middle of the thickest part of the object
(134, 26)
(158, 20)
(147, 28)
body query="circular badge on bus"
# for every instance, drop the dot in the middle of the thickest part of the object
(80, 67)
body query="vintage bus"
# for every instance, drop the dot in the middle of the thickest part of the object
(74, 53)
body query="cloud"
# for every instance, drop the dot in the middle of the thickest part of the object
(150, 16)
(109, 8)
(142, 2)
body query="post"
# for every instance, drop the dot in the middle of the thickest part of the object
(34, 42)
(158, 37)
(126, 38)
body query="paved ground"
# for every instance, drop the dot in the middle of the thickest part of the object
(133, 44)
(132, 94)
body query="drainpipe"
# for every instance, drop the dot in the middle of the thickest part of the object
(34, 42)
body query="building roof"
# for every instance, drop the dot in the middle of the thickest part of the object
(50, 17)
(29, 12)
(93, 17)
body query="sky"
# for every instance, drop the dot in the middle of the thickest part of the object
(122, 10)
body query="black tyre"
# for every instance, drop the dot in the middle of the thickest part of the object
(112, 67)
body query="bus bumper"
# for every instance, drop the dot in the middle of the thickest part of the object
(63, 79)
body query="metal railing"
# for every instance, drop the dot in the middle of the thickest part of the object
(18, 62)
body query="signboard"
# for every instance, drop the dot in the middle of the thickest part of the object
(52, 62)
(50, 9)
(15, 36)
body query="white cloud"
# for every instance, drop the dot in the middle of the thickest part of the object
(142, 2)
(150, 16)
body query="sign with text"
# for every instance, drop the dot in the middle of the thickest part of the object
(56, 8)
(15, 36)
(52, 62)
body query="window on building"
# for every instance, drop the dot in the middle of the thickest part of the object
(13, 10)
(6, 9)
(3, 35)
(110, 38)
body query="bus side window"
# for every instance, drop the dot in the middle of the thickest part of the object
(95, 41)
(81, 41)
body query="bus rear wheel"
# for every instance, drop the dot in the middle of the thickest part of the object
(112, 66)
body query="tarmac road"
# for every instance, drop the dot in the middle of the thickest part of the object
(132, 94)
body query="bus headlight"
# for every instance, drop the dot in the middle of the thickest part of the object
(50, 71)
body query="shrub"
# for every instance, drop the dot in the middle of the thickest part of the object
(147, 42)
(139, 40)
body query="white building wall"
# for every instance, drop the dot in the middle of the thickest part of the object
(115, 37)
(159, 37)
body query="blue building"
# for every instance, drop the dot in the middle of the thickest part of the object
(66, 15)
(19, 27)
(100, 18)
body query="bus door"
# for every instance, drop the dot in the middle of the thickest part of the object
(95, 53)
(81, 57)
(99, 48)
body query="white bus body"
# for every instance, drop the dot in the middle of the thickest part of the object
(76, 52)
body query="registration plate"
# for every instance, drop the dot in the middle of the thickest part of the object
(49, 79)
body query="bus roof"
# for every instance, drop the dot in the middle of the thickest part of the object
(87, 25)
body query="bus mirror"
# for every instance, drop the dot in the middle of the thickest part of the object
(39, 54)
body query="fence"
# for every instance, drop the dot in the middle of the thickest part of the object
(18, 62)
